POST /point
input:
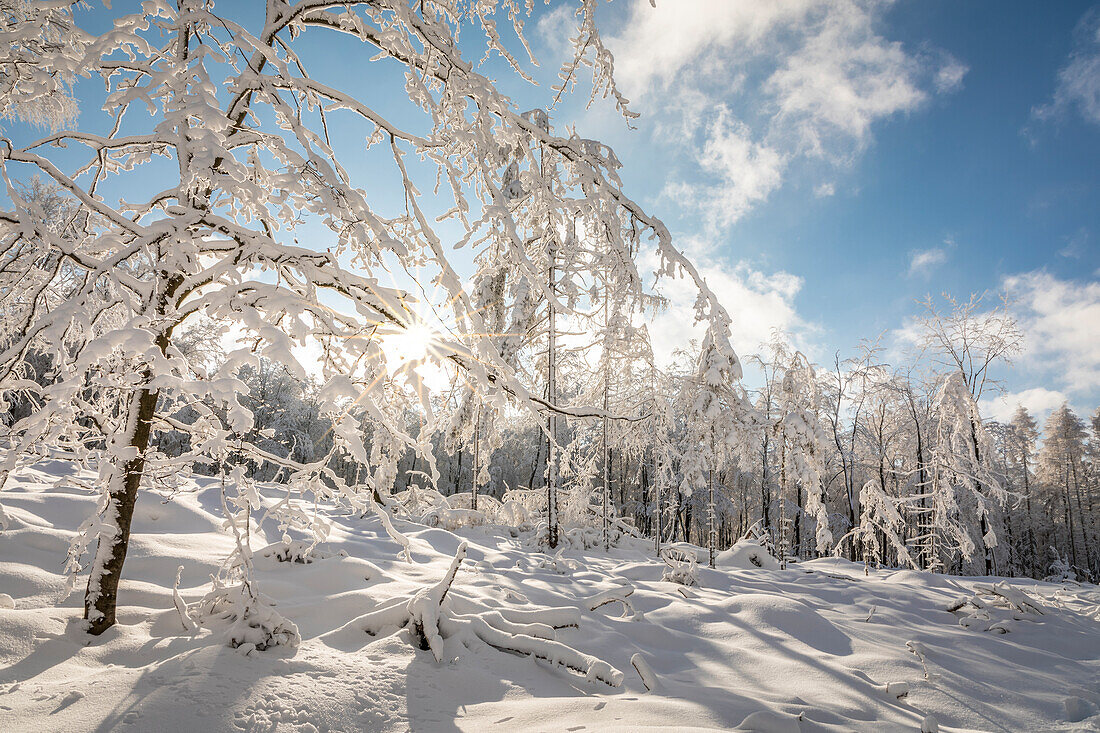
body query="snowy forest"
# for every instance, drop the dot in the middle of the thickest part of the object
(264, 334)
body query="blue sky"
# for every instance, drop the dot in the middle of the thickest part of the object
(832, 162)
(829, 162)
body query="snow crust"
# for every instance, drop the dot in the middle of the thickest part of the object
(817, 647)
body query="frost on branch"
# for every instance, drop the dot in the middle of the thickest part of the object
(431, 618)
(40, 59)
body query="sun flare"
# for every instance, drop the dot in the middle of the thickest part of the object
(414, 343)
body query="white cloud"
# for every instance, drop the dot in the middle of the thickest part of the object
(1061, 323)
(746, 88)
(922, 261)
(757, 302)
(556, 27)
(843, 78)
(950, 76)
(747, 171)
(660, 43)
(1078, 84)
(1039, 401)
(824, 190)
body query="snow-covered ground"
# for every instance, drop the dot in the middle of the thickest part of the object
(818, 647)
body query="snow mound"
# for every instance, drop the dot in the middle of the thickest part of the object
(746, 555)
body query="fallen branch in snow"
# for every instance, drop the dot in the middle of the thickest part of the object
(641, 666)
(296, 551)
(897, 689)
(615, 595)
(995, 607)
(181, 607)
(394, 535)
(1013, 597)
(922, 654)
(431, 619)
(556, 617)
(552, 651)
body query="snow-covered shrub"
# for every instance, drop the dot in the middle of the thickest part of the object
(580, 516)
(1060, 570)
(683, 567)
(433, 509)
(246, 619)
(556, 563)
(234, 607)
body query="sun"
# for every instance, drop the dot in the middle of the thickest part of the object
(414, 343)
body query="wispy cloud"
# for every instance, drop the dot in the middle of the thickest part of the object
(949, 78)
(1078, 85)
(1075, 244)
(743, 172)
(923, 261)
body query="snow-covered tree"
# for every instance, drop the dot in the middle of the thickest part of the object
(243, 123)
(963, 484)
(802, 447)
(789, 406)
(972, 343)
(1060, 470)
(1022, 434)
(718, 418)
(845, 392)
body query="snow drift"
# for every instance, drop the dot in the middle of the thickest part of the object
(817, 647)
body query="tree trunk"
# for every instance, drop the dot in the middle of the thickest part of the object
(1032, 567)
(1069, 520)
(551, 418)
(101, 597)
(712, 539)
(477, 457)
(765, 495)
